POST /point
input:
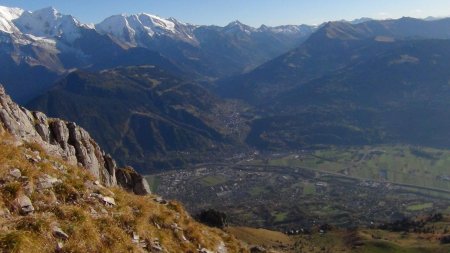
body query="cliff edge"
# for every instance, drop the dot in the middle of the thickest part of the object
(68, 141)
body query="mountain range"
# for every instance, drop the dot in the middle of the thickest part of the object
(353, 84)
(334, 46)
(239, 104)
(158, 93)
(46, 45)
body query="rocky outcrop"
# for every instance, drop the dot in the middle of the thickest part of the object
(68, 141)
(131, 180)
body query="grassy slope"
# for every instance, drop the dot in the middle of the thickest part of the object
(266, 238)
(362, 241)
(90, 225)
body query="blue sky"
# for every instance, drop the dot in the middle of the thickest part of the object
(252, 12)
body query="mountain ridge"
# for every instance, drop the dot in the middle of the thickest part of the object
(143, 115)
(333, 46)
(388, 94)
(49, 44)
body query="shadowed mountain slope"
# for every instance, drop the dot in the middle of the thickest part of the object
(144, 116)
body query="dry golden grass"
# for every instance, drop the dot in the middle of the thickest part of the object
(270, 240)
(90, 224)
(260, 236)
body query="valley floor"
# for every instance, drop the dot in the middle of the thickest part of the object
(281, 193)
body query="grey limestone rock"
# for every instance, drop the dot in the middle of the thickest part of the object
(23, 205)
(15, 173)
(68, 141)
(132, 181)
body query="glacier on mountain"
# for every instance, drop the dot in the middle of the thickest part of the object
(48, 22)
(6, 17)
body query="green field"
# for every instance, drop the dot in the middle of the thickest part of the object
(309, 189)
(280, 216)
(213, 180)
(420, 207)
(424, 167)
(257, 191)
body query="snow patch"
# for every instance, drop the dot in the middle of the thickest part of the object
(48, 22)
(10, 13)
(118, 26)
(153, 21)
(130, 29)
(126, 27)
(6, 17)
(237, 26)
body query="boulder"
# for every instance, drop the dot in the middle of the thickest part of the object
(59, 233)
(109, 201)
(23, 205)
(15, 173)
(160, 200)
(257, 249)
(132, 181)
(47, 182)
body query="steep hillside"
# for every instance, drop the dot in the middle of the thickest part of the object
(24, 80)
(68, 141)
(336, 45)
(48, 205)
(353, 84)
(144, 116)
(398, 96)
(59, 192)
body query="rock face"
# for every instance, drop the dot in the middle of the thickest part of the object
(130, 179)
(66, 140)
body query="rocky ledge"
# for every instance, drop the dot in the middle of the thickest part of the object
(68, 141)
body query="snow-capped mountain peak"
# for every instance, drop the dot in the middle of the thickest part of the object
(287, 29)
(237, 26)
(47, 13)
(125, 25)
(48, 22)
(235, 23)
(156, 22)
(117, 26)
(10, 13)
(7, 15)
(129, 29)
